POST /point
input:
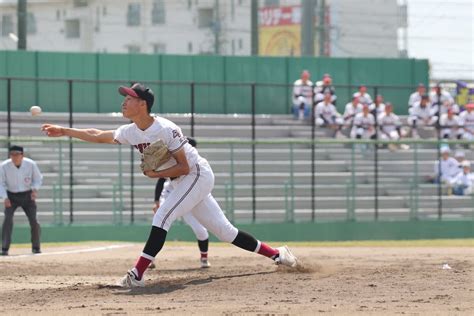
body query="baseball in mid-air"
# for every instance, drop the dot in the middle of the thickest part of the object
(35, 110)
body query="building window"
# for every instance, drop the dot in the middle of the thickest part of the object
(7, 25)
(190, 47)
(159, 48)
(233, 47)
(97, 19)
(30, 23)
(133, 14)
(232, 10)
(205, 17)
(58, 15)
(271, 3)
(240, 2)
(80, 3)
(241, 43)
(158, 13)
(133, 49)
(73, 28)
(190, 4)
(104, 10)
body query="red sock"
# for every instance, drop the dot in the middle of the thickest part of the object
(267, 251)
(204, 255)
(141, 265)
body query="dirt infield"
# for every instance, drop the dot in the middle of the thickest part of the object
(338, 280)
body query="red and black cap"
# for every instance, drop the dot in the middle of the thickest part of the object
(140, 91)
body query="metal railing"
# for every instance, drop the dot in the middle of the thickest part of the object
(274, 184)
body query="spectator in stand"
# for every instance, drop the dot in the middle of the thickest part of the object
(439, 96)
(450, 125)
(325, 87)
(449, 167)
(352, 109)
(389, 124)
(378, 107)
(421, 114)
(443, 109)
(415, 97)
(363, 96)
(463, 183)
(326, 114)
(467, 121)
(460, 156)
(302, 96)
(364, 125)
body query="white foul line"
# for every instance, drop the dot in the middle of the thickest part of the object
(65, 252)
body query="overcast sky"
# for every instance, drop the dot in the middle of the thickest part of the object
(443, 32)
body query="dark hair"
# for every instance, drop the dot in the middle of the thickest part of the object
(192, 142)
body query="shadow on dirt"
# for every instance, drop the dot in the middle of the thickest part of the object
(168, 286)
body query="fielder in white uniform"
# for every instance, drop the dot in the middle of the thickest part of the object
(193, 183)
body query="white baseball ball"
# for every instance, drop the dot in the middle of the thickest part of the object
(35, 110)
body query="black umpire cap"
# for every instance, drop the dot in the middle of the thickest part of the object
(16, 149)
(140, 91)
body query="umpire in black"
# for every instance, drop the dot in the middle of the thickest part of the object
(20, 180)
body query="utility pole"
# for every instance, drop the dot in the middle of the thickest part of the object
(21, 15)
(322, 35)
(307, 27)
(217, 28)
(254, 27)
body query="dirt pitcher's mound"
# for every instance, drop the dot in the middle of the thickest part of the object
(337, 280)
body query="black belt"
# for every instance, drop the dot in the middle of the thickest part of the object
(173, 178)
(20, 193)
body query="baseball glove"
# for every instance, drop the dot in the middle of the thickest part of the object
(155, 155)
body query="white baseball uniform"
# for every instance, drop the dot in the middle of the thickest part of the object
(326, 113)
(444, 97)
(377, 109)
(388, 125)
(467, 121)
(449, 169)
(445, 107)
(415, 97)
(199, 230)
(192, 192)
(422, 115)
(363, 126)
(304, 89)
(351, 111)
(450, 127)
(363, 98)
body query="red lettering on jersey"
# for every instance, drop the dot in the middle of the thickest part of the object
(141, 147)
